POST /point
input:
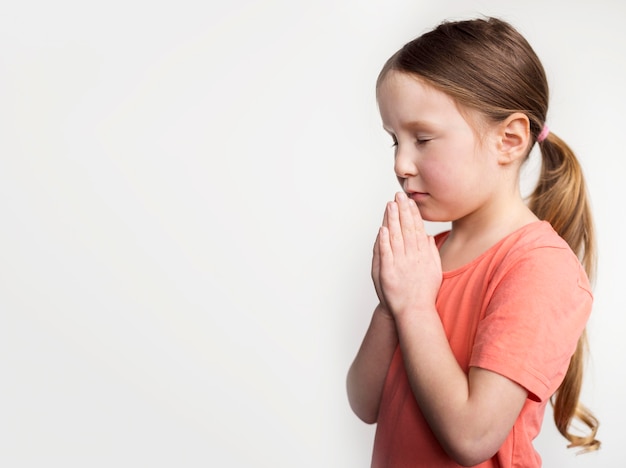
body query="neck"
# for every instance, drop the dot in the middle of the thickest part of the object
(471, 235)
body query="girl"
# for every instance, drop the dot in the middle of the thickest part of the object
(478, 327)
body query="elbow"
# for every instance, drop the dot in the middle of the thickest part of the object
(364, 412)
(469, 459)
(366, 418)
(471, 456)
(470, 451)
(364, 404)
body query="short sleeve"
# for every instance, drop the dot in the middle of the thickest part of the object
(537, 312)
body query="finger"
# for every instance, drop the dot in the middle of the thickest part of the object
(417, 216)
(395, 235)
(385, 250)
(376, 257)
(407, 219)
(376, 265)
(385, 221)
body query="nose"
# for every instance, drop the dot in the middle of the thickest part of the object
(404, 165)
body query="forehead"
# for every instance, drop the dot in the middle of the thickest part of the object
(402, 82)
(403, 96)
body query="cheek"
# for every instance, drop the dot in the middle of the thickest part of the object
(439, 173)
(454, 167)
(451, 182)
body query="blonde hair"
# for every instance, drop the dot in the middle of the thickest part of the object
(561, 198)
(488, 66)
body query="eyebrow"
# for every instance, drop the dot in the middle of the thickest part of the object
(415, 124)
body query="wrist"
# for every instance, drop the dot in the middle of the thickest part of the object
(421, 314)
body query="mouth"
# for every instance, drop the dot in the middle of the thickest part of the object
(417, 196)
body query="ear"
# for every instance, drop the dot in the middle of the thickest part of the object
(513, 138)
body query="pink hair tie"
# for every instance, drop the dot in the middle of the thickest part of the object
(544, 134)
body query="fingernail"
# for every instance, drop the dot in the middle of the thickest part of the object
(401, 196)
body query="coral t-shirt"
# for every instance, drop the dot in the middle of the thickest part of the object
(518, 309)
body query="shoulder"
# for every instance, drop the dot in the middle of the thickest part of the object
(539, 234)
(539, 248)
(537, 263)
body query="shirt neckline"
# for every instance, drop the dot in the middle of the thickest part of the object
(456, 271)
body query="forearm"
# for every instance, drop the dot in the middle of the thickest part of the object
(438, 383)
(367, 373)
(466, 412)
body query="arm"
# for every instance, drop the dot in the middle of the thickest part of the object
(471, 415)
(366, 376)
(367, 373)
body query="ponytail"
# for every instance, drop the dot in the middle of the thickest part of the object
(561, 198)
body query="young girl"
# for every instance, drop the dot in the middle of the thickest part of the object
(479, 327)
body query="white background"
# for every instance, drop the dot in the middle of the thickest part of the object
(189, 194)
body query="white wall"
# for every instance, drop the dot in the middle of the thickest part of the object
(188, 198)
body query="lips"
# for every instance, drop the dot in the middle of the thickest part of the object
(417, 196)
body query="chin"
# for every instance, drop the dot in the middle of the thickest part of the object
(434, 218)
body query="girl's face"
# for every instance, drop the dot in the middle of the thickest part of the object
(439, 160)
